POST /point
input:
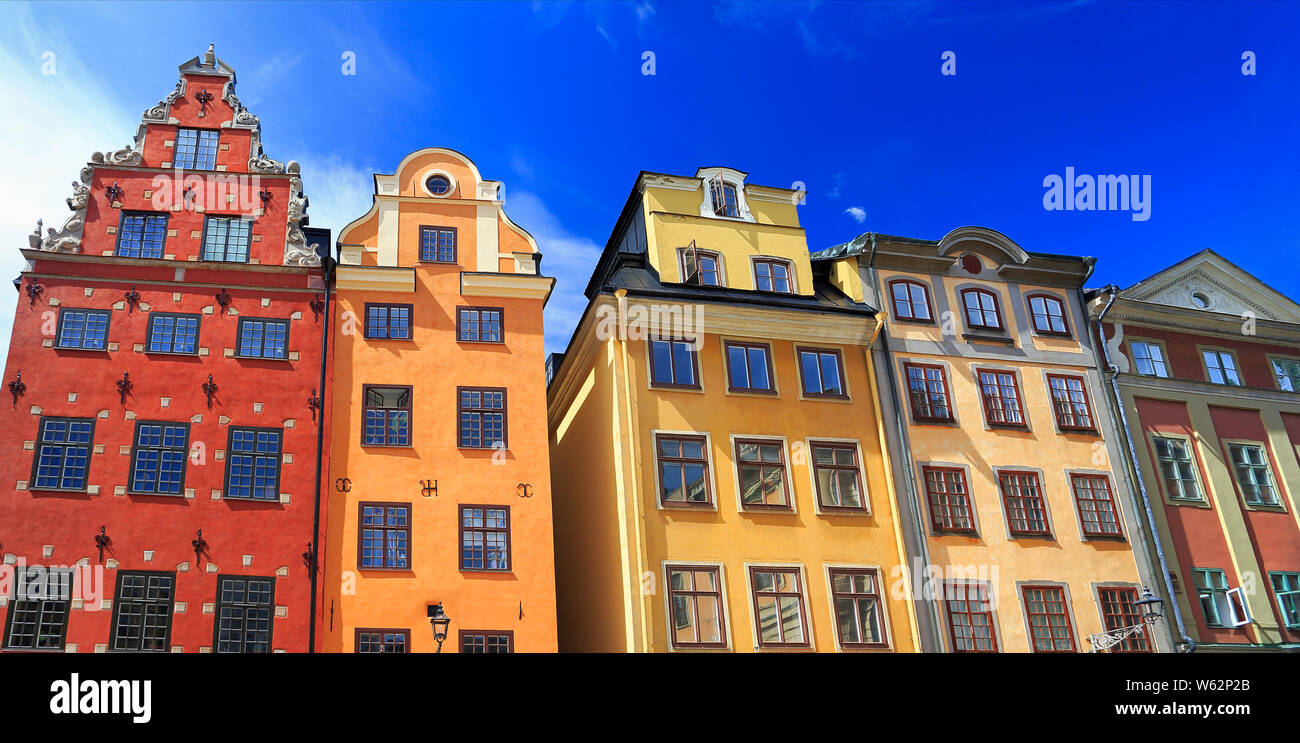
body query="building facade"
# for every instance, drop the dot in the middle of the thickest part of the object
(1207, 361)
(1021, 534)
(439, 477)
(160, 445)
(718, 468)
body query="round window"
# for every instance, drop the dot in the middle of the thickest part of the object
(438, 184)
(1200, 300)
(971, 264)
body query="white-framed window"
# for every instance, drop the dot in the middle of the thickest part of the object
(1254, 475)
(1221, 367)
(1223, 606)
(1287, 372)
(1174, 457)
(724, 194)
(1286, 586)
(1149, 359)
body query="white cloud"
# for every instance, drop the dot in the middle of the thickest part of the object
(50, 125)
(569, 258)
(337, 191)
(857, 213)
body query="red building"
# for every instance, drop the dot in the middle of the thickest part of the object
(160, 450)
(1207, 377)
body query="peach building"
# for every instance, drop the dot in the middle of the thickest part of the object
(439, 482)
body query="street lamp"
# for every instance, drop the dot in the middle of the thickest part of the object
(1148, 610)
(440, 622)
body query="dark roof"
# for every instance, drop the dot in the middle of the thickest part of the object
(631, 272)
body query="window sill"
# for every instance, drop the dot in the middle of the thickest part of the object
(682, 506)
(748, 392)
(912, 320)
(378, 338)
(423, 262)
(171, 353)
(502, 448)
(1053, 334)
(1078, 431)
(386, 446)
(260, 358)
(387, 570)
(978, 338)
(34, 488)
(1009, 427)
(757, 508)
(1119, 538)
(507, 571)
(1264, 507)
(250, 499)
(180, 495)
(489, 343)
(917, 421)
(676, 387)
(824, 398)
(78, 348)
(968, 533)
(824, 510)
(1035, 535)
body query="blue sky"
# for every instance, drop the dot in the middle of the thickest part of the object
(846, 97)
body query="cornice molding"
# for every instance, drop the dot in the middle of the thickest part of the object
(375, 278)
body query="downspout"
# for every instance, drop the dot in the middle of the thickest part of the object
(1113, 372)
(327, 273)
(922, 546)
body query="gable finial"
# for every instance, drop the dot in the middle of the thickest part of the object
(210, 56)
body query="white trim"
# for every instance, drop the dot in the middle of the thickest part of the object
(451, 182)
(731, 177)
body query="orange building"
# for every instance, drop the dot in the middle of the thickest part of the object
(439, 473)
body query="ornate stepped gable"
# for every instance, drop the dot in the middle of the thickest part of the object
(297, 252)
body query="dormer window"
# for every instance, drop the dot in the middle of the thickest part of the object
(772, 275)
(723, 194)
(700, 267)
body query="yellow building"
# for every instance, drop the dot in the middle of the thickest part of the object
(717, 468)
(1007, 455)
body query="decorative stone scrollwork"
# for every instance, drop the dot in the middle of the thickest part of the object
(264, 164)
(68, 238)
(126, 156)
(80, 197)
(296, 250)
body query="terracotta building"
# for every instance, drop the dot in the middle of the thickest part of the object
(439, 476)
(159, 450)
(1207, 362)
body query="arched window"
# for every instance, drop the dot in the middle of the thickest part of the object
(911, 300)
(982, 310)
(1048, 314)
